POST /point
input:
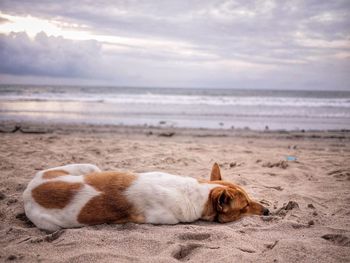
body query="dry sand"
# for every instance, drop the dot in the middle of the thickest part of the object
(310, 197)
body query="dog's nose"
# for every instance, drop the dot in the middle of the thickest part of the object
(266, 211)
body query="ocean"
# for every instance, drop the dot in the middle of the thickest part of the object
(178, 107)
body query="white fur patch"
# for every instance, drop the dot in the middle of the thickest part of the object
(168, 199)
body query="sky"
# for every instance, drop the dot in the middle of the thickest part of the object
(242, 44)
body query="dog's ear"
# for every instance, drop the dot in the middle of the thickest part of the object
(222, 198)
(215, 173)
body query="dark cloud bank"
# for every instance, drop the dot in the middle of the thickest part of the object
(47, 56)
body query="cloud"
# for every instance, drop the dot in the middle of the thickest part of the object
(243, 43)
(47, 56)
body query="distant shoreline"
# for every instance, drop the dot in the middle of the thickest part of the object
(8, 127)
(166, 87)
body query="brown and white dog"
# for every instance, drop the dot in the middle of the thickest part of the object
(80, 194)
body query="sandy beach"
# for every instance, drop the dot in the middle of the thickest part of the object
(309, 197)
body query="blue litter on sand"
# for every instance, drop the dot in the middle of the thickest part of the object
(291, 158)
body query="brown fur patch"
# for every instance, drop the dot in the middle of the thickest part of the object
(209, 212)
(111, 206)
(55, 194)
(54, 173)
(227, 202)
(215, 174)
(234, 203)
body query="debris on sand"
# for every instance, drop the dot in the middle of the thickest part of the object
(271, 246)
(278, 188)
(291, 205)
(19, 128)
(311, 223)
(311, 206)
(233, 164)
(48, 238)
(280, 164)
(166, 134)
(286, 207)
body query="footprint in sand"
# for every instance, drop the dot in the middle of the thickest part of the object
(194, 236)
(337, 239)
(340, 175)
(183, 252)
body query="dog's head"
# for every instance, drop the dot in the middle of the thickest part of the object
(229, 202)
